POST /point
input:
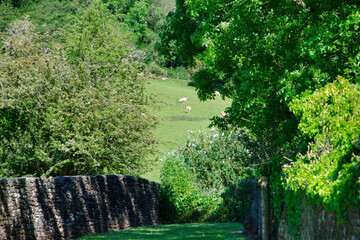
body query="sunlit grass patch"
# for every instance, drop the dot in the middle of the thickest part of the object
(209, 231)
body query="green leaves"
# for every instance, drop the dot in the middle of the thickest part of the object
(73, 109)
(207, 175)
(96, 39)
(264, 54)
(278, 62)
(330, 116)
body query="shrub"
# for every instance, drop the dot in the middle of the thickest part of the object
(237, 202)
(178, 73)
(181, 197)
(217, 159)
(199, 178)
(78, 110)
(155, 69)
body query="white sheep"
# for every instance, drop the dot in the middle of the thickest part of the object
(216, 93)
(188, 109)
(223, 114)
(182, 100)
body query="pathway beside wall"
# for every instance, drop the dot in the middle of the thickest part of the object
(72, 207)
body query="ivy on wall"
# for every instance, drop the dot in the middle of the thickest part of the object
(329, 173)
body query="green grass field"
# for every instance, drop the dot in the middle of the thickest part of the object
(209, 231)
(174, 121)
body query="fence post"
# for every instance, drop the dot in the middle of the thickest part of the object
(265, 207)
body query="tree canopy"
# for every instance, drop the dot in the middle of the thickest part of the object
(292, 70)
(76, 107)
(263, 54)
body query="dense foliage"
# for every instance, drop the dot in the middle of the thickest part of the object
(205, 178)
(76, 108)
(279, 61)
(264, 53)
(330, 170)
(145, 18)
(7, 15)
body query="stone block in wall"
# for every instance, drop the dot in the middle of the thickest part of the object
(71, 207)
(321, 225)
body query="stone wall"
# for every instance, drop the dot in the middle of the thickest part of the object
(321, 225)
(71, 207)
(255, 211)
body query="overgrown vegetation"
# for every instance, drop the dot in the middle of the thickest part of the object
(72, 96)
(330, 169)
(76, 107)
(206, 178)
(279, 61)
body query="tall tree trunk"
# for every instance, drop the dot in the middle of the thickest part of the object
(265, 207)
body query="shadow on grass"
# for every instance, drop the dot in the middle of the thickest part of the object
(176, 232)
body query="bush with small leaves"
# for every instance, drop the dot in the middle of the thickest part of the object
(70, 110)
(198, 178)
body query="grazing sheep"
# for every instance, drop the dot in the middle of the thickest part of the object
(182, 100)
(217, 93)
(223, 114)
(164, 78)
(188, 109)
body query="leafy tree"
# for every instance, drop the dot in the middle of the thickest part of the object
(119, 7)
(96, 40)
(278, 61)
(73, 110)
(145, 18)
(262, 54)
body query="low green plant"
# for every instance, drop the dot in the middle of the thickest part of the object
(155, 70)
(220, 158)
(177, 73)
(198, 177)
(182, 199)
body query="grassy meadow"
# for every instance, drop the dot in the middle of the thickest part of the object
(174, 120)
(209, 231)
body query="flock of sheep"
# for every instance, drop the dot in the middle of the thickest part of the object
(188, 108)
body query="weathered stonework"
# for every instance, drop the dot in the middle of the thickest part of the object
(72, 207)
(321, 225)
